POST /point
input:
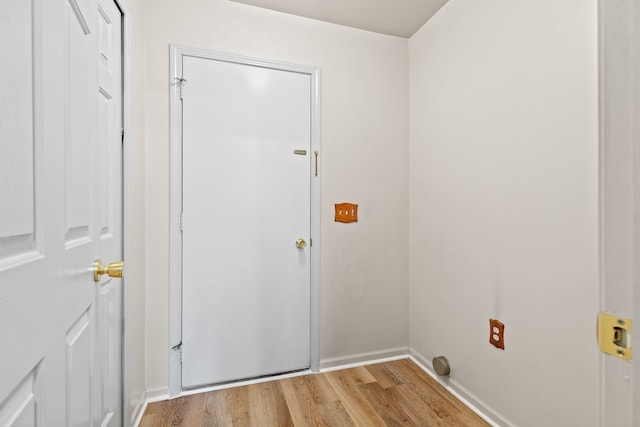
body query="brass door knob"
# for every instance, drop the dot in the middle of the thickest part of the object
(301, 244)
(113, 270)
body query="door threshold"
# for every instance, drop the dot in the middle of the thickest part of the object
(247, 381)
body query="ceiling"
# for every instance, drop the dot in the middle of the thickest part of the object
(394, 17)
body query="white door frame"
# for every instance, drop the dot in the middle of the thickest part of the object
(619, 81)
(175, 210)
(128, 167)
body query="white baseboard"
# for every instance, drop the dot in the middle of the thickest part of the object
(157, 394)
(460, 392)
(150, 396)
(362, 359)
(136, 415)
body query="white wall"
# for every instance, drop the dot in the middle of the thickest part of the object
(504, 204)
(364, 159)
(135, 384)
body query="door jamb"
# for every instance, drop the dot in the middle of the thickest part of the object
(128, 413)
(619, 93)
(175, 210)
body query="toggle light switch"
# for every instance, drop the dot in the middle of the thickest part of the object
(346, 212)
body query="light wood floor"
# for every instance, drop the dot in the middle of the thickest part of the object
(395, 393)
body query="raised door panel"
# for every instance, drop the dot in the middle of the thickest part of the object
(24, 405)
(109, 119)
(79, 126)
(18, 143)
(109, 352)
(105, 101)
(78, 371)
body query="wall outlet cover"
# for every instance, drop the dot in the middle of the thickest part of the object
(496, 333)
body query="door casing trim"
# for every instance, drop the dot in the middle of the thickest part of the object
(175, 199)
(129, 414)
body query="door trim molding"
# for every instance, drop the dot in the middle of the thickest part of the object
(175, 199)
(619, 156)
(132, 406)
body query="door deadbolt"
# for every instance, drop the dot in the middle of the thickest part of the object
(301, 244)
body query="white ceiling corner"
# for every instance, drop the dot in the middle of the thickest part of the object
(400, 18)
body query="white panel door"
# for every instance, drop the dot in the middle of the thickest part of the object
(58, 163)
(246, 201)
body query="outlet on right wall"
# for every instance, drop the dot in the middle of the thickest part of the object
(504, 204)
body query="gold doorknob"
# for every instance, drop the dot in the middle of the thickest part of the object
(301, 244)
(113, 270)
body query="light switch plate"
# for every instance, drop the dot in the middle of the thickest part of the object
(346, 212)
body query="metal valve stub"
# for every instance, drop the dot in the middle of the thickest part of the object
(441, 366)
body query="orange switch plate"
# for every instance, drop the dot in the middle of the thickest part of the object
(346, 212)
(496, 333)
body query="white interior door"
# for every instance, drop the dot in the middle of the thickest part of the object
(246, 201)
(60, 186)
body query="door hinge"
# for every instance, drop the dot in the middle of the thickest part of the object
(122, 135)
(614, 335)
(178, 347)
(181, 82)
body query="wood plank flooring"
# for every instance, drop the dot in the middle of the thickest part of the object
(394, 393)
